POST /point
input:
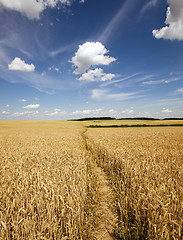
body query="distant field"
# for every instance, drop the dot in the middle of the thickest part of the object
(134, 122)
(49, 185)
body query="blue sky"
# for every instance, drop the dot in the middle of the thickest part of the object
(67, 59)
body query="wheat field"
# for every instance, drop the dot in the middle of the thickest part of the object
(43, 181)
(146, 170)
(49, 188)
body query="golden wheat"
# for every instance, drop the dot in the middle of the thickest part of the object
(145, 166)
(48, 185)
(43, 182)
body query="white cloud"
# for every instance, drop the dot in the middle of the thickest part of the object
(96, 75)
(166, 111)
(129, 111)
(5, 112)
(90, 54)
(32, 106)
(19, 65)
(22, 100)
(56, 112)
(31, 8)
(57, 69)
(174, 20)
(107, 76)
(88, 112)
(102, 94)
(180, 90)
(7, 106)
(144, 114)
(112, 111)
(17, 114)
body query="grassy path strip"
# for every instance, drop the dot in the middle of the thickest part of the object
(105, 216)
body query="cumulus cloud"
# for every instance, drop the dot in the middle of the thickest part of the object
(19, 65)
(90, 54)
(96, 75)
(174, 20)
(31, 8)
(32, 106)
(166, 110)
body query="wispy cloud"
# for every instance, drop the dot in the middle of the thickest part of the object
(165, 81)
(62, 49)
(118, 80)
(103, 94)
(119, 17)
(148, 5)
(46, 83)
(4, 58)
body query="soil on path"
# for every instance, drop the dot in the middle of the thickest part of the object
(105, 211)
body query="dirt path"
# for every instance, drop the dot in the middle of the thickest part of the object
(105, 211)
